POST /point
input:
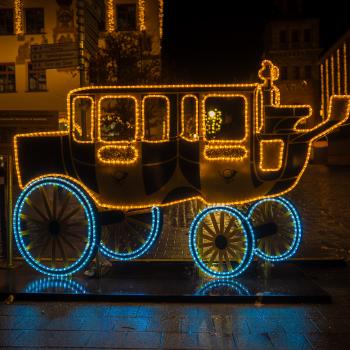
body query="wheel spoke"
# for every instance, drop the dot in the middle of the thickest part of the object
(64, 206)
(72, 213)
(36, 209)
(53, 252)
(215, 224)
(46, 202)
(209, 251)
(71, 245)
(63, 253)
(209, 230)
(229, 226)
(222, 222)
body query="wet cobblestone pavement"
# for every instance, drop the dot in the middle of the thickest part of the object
(322, 199)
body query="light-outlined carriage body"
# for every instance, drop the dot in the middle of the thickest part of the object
(131, 150)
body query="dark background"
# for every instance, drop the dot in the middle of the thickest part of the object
(223, 40)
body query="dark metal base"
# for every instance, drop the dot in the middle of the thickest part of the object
(167, 281)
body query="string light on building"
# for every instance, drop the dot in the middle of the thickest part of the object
(141, 15)
(19, 18)
(338, 72)
(161, 15)
(345, 70)
(322, 91)
(110, 16)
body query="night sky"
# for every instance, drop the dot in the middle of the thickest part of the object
(222, 41)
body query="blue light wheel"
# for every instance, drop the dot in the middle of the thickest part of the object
(132, 234)
(277, 228)
(55, 227)
(221, 242)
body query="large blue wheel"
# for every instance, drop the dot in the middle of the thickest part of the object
(221, 242)
(55, 226)
(277, 228)
(133, 235)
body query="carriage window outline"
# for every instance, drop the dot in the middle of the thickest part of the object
(246, 123)
(75, 126)
(166, 132)
(263, 152)
(136, 132)
(259, 110)
(182, 135)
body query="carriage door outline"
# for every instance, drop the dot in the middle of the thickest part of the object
(117, 133)
(213, 121)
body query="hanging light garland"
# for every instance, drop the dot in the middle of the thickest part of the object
(213, 121)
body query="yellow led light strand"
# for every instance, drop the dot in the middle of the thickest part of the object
(19, 17)
(322, 91)
(327, 84)
(76, 126)
(110, 16)
(225, 153)
(166, 125)
(141, 15)
(332, 75)
(161, 17)
(338, 72)
(259, 111)
(182, 135)
(262, 152)
(112, 155)
(246, 122)
(345, 70)
(136, 134)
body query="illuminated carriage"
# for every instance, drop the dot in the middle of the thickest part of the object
(131, 150)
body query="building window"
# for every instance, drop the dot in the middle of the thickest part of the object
(36, 79)
(296, 72)
(308, 72)
(34, 20)
(295, 36)
(284, 73)
(7, 77)
(126, 17)
(6, 21)
(283, 39)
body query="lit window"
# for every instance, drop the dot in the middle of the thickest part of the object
(156, 118)
(36, 79)
(6, 21)
(7, 77)
(126, 17)
(117, 119)
(34, 20)
(225, 118)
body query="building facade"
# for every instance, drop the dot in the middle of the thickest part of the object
(293, 45)
(33, 97)
(335, 80)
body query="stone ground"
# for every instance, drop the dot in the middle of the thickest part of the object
(322, 199)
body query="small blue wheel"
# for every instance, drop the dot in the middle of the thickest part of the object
(277, 228)
(221, 242)
(133, 235)
(55, 226)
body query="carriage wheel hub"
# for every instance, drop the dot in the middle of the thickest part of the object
(54, 227)
(221, 242)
